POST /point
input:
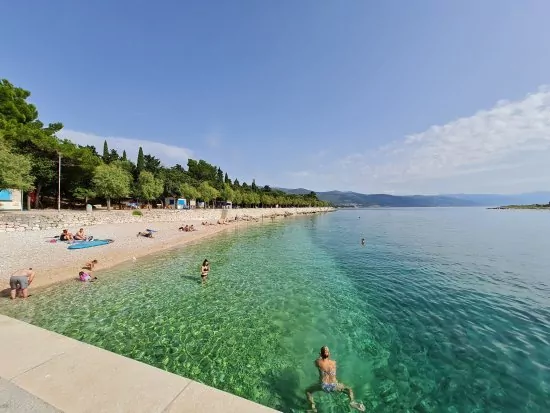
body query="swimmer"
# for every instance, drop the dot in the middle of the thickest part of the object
(363, 241)
(84, 276)
(205, 268)
(328, 382)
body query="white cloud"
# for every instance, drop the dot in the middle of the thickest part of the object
(168, 154)
(505, 148)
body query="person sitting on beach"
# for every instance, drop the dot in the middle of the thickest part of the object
(205, 268)
(90, 265)
(19, 283)
(85, 277)
(147, 234)
(192, 228)
(66, 236)
(184, 228)
(328, 382)
(80, 235)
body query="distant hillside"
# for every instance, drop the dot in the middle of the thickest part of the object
(384, 200)
(339, 198)
(499, 200)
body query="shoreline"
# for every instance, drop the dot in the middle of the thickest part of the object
(54, 263)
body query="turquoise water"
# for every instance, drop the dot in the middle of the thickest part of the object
(444, 310)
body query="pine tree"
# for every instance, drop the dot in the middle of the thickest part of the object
(106, 157)
(124, 156)
(253, 185)
(227, 180)
(140, 161)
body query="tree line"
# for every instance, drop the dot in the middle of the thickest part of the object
(30, 153)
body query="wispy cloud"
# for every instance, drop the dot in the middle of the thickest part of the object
(168, 154)
(509, 142)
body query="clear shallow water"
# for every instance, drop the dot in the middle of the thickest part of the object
(444, 310)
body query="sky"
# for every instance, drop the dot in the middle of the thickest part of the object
(391, 96)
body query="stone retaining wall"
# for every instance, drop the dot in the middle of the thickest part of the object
(45, 220)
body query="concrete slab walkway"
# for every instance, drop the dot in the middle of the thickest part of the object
(43, 370)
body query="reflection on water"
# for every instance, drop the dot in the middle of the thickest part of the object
(444, 310)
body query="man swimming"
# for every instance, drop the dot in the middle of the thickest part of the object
(363, 241)
(328, 382)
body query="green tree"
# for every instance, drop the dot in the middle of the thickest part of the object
(189, 192)
(220, 176)
(124, 158)
(113, 155)
(106, 157)
(152, 164)
(15, 172)
(237, 197)
(236, 183)
(202, 170)
(253, 186)
(83, 194)
(111, 181)
(148, 186)
(226, 179)
(227, 193)
(140, 165)
(207, 193)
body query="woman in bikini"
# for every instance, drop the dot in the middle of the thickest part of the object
(328, 382)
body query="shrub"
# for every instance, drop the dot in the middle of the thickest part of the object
(137, 213)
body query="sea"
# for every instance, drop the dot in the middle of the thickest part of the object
(442, 310)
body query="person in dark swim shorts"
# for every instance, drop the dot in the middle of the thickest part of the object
(19, 283)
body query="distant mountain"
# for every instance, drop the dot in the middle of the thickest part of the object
(348, 198)
(500, 200)
(384, 200)
(339, 198)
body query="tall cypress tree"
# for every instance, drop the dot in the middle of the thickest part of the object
(140, 166)
(106, 157)
(124, 156)
(227, 180)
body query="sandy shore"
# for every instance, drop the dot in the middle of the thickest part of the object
(53, 262)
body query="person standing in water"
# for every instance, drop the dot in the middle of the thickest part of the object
(328, 382)
(205, 268)
(19, 283)
(363, 242)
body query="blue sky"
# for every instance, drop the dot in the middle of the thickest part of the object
(388, 96)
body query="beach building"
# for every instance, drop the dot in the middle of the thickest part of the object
(175, 203)
(11, 200)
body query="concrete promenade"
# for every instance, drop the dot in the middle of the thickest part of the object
(41, 371)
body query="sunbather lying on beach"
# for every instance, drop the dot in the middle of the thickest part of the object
(184, 228)
(90, 265)
(147, 234)
(85, 277)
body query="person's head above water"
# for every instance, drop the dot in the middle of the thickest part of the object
(324, 353)
(205, 262)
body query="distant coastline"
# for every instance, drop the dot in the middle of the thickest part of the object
(531, 206)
